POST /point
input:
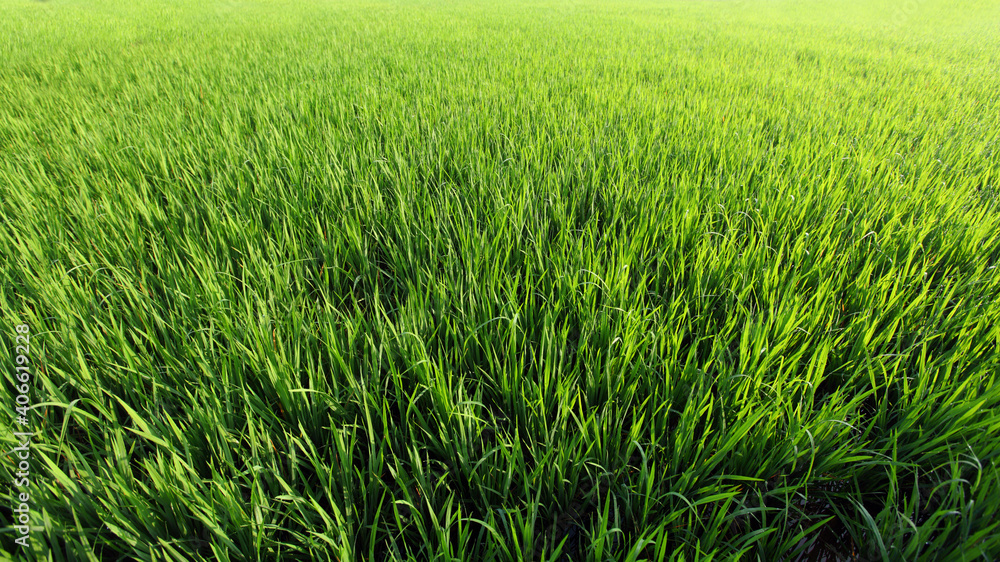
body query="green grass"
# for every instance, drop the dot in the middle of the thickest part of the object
(451, 281)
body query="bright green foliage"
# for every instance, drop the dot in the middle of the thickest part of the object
(433, 280)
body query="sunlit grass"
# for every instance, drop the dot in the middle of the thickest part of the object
(605, 280)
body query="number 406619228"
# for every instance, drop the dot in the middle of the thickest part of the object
(23, 368)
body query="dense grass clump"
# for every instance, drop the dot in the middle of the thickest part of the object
(452, 281)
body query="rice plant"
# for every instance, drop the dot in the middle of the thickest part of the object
(559, 280)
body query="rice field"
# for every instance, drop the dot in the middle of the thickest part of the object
(561, 280)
